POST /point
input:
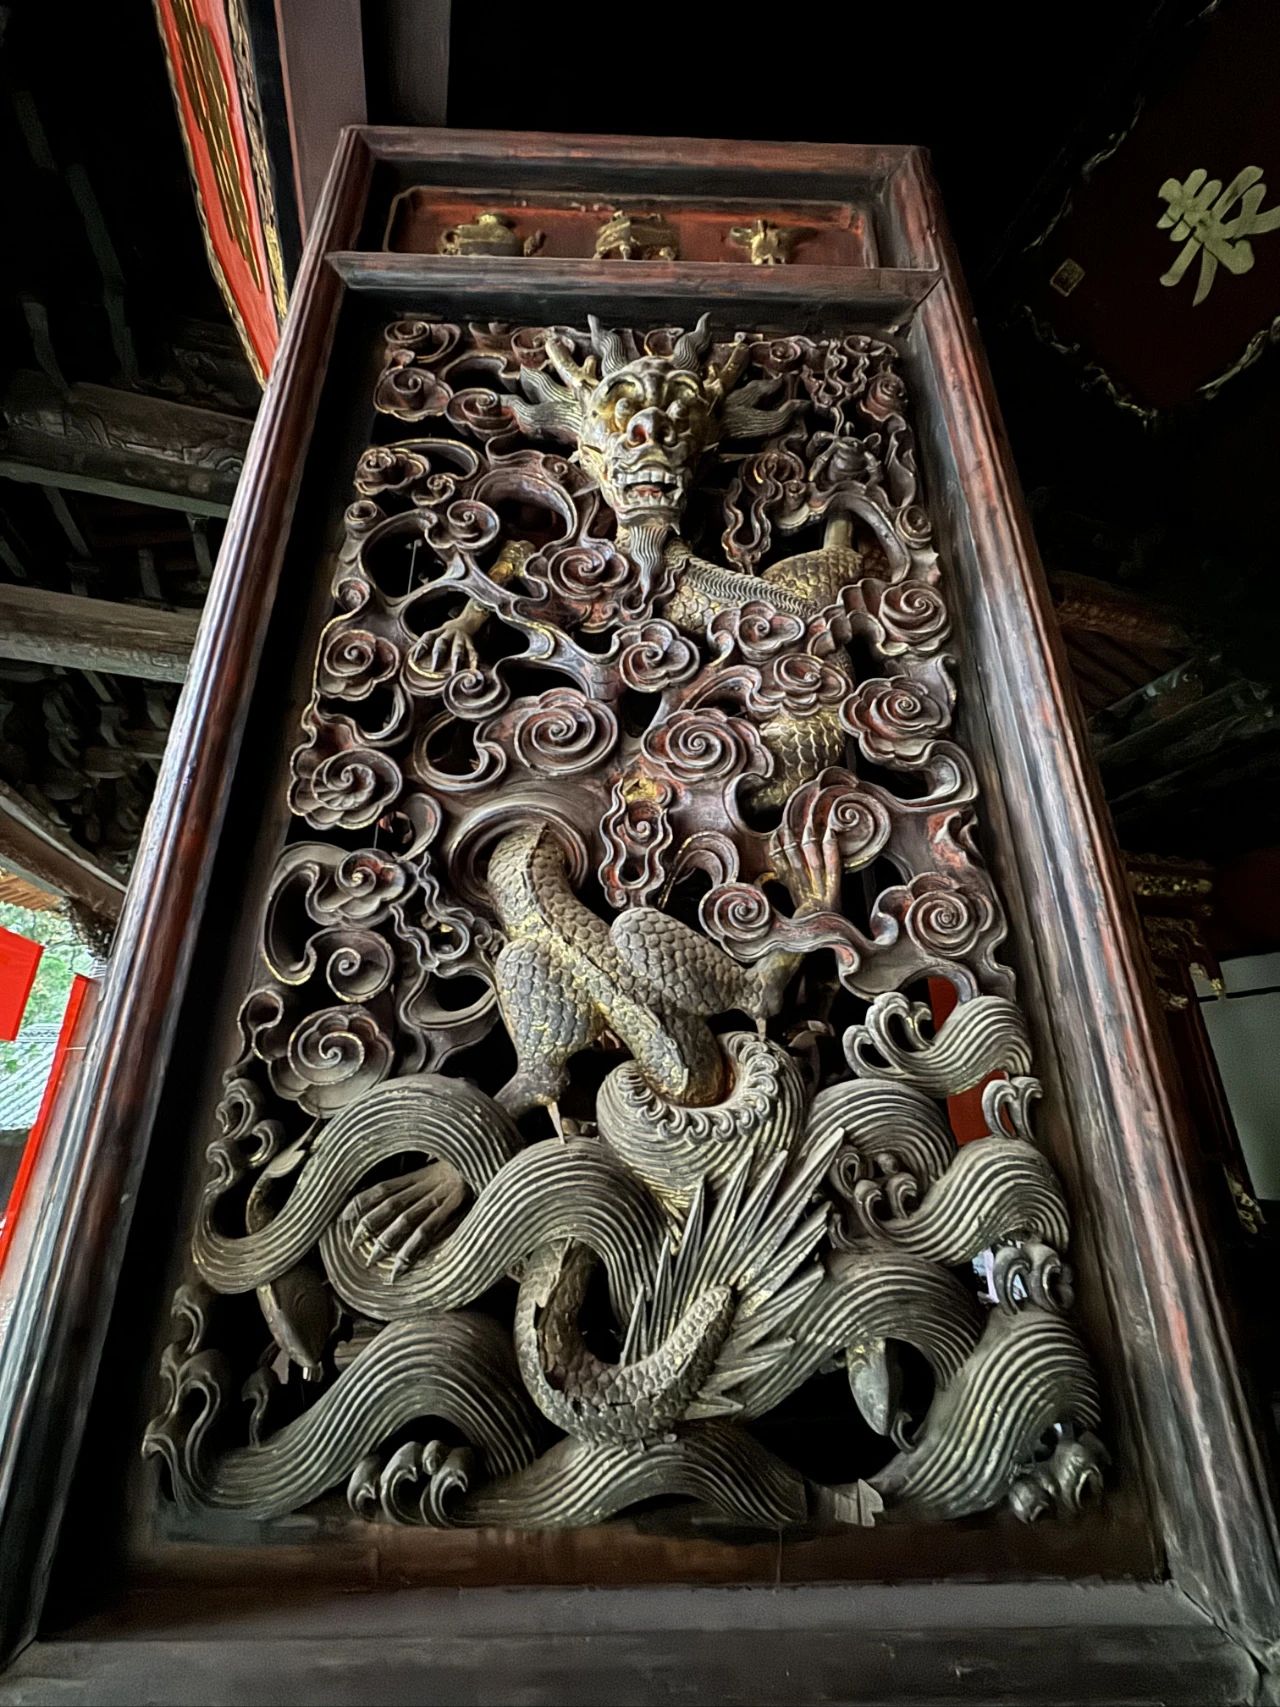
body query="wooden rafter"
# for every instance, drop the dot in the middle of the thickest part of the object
(43, 627)
(46, 855)
(18, 892)
(121, 444)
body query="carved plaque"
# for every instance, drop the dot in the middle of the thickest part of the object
(591, 1104)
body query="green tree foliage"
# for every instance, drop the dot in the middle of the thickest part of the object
(63, 957)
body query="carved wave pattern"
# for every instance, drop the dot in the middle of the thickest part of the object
(528, 1197)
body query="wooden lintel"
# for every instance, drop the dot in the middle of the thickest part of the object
(44, 627)
(121, 444)
(46, 855)
(875, 296)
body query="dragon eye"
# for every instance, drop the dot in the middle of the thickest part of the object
(624, 409)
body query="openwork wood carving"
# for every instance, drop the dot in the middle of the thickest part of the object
(589, 1107)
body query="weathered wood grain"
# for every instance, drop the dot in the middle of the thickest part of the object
(812, 161)
(965, 1645)
(322, 60)
(874, 296)
(45, 627)
(121, 444)
(40, 850)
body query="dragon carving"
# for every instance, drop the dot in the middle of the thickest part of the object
(590, 1101)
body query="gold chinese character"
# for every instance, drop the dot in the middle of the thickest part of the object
(1198, 212)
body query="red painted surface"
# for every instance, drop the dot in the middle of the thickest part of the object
(19, 959)
(205, 22)
(963, 1111)
(80, 987)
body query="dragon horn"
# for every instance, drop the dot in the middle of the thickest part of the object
(608, 346)
(560, 355)
(691, 347)
(720, 381)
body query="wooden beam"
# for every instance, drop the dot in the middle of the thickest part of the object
(874, 296)
(704, 164)
(122, 445)
(408, 41)
(45, 855)
(322, 63)
(41, 627)
(754, 1645)
(68, 523)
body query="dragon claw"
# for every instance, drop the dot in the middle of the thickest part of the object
(399, 1218)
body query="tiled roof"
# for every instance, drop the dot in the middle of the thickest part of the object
(22, 1087)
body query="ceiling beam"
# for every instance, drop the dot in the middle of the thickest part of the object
(121, 444)
(322, 55)
(41, 627)
(45, 854)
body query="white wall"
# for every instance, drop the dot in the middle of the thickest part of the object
(1244, 1029)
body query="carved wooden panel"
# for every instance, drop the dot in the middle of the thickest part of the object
(673, 768)
(587, 1107)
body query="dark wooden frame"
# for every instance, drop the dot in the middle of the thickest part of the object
(1198, 1617)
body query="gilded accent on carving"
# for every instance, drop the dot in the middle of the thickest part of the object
(636, 237)
(489, 233)
(586, 1104)
(767, 244)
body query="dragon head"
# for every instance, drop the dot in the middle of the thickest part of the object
(642, 423)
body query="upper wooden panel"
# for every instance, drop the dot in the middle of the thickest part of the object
(479, 221)
(827, 200)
